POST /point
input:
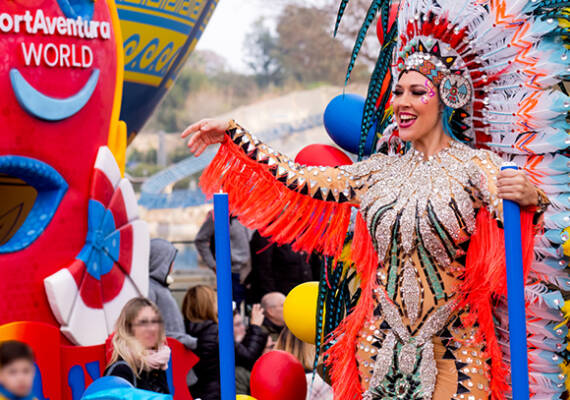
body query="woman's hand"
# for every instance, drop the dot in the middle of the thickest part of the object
(513, 185)
(257, 315)
(205, 133)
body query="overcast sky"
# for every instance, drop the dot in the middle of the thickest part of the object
(232, 20)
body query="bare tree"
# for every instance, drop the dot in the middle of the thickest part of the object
(308, 51)
(263, 55)
(350, 26)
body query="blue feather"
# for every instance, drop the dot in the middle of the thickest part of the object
(336, 299)
(370, 15)
(385, 15)
(341, 10)
(320, 308)
(540, 5)
(376, 82)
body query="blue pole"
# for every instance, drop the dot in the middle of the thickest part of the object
(515, 297)
(225, 311)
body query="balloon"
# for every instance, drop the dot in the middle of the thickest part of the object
(113, 387)
(244, 397)
(107, 382)
(157, 39)
(322, 155)
(343, 121)
(300, 311)
(393, 14)
(278, 375)
(566, 244)
(126, 394)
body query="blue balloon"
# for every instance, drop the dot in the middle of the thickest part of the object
(107, 382)
(126, 394)
(343, 121)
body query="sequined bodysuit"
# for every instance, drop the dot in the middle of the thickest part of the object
(421, 214)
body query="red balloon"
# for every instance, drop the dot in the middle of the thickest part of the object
(391, 19)
(278, 375)
(379, 30)
(322, 155)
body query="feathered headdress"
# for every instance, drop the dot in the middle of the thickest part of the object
(499, 66)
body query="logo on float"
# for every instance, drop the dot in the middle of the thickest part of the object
(77, 26)
(51, 54)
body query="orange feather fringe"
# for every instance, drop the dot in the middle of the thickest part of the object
(342, 355)
(277, 212)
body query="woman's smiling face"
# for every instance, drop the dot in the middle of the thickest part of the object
(416, 106)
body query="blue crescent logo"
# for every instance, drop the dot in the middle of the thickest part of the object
(49, 108)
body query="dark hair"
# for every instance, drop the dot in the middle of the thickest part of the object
(12, 350)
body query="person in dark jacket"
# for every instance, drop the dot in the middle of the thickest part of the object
(249, 334)
(251, 346)
(277, 268)
(140, 353)
(201, 320)
(161, 260)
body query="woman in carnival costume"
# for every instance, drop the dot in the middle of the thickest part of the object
(428, 246)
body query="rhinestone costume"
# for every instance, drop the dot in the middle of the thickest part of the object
(430, 321)
(420, 214)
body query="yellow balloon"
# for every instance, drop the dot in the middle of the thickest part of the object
(566, 244)
(244, 397)
(300, 311)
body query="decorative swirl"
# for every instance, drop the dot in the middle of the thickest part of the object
(161, 63)
(152, 59)
(131, 44)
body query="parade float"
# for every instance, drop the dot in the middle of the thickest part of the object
(78, 78)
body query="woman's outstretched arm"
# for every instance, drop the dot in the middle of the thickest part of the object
(339, 184)
(307, 206)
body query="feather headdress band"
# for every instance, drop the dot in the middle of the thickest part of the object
(445, 71)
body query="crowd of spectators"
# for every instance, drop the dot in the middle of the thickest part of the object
(262, 274)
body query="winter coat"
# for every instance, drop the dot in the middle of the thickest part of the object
(243, 376)
(208, 368)
(154, 380)
(162, 255)
(277, 268)
(251, 347)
